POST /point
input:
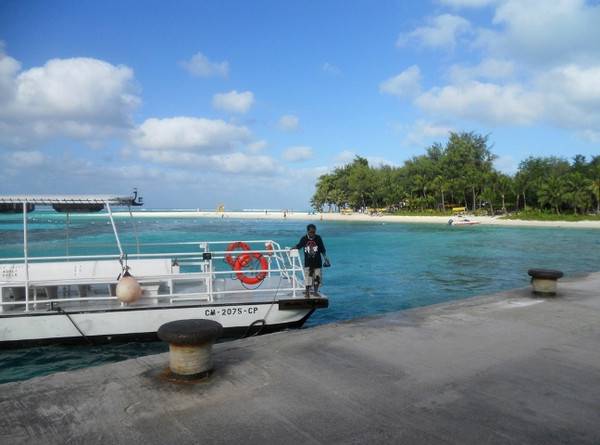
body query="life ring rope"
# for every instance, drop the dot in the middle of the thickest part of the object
(243, 261)
(237, 245)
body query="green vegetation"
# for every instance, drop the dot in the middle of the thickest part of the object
(539, 215)
(461, 174)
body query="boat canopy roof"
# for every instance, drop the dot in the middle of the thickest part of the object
(68, 199)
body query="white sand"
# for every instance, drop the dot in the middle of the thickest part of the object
(484, 220)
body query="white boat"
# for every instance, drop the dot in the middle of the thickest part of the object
(462, 221)
(249, 287)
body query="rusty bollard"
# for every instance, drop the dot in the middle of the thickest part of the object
(544, 281)
(190, 346)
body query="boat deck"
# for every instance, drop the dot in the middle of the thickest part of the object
(100, 297)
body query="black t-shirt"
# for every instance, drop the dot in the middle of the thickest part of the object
(313, 249)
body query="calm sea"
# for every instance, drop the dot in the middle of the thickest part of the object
(376, 267)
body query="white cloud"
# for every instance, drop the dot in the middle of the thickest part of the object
(572, 96)
(487, 69)
(442, 31)
(405, 84)
(289, 122)
(566, 96)
(541, 32)
(78, 97)
(331, 69)
(188, 133)
(423, 132)
(9, 68)
(24, 159)
(297, 154)
(257, 146)
(238, 163)
(243, 163)
(540, 64)
(199, 65)
(345, 157)
(189, 143)
(483, 102)
(233, 101)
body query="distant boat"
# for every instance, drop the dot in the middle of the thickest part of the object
(462, 221)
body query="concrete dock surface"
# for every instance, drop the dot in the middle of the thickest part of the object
(508, 368)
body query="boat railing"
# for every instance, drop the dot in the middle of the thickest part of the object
(205, 266)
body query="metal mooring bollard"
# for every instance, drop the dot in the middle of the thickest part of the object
(190, 346)
(544, 281)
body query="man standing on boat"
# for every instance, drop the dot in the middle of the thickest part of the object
(313, 249)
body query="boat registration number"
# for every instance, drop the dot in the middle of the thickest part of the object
(231, 311)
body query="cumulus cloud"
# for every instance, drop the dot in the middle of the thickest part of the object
(487, 102)
(297, 154)
(538, 67)
(289, 122)
(442, 31)
(233, 101)
(24, 159)
(405, 84)
(199, 65)
(423, 132)
(557, 32)
(190, 142)
(237, 162)
(257, 146)
(77, 97)
(572, 96)
(188, 133)
(567, 96)
(487, 69)
(344, 157)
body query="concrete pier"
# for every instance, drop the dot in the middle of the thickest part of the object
(502, 369)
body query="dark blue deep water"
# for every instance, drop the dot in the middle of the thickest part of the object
(376, 267)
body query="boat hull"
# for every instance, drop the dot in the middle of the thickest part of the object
(133, 324)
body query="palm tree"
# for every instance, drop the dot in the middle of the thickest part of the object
(505, 185)
(595, 184)
(578, 187)
(552, 192)
(439, 183)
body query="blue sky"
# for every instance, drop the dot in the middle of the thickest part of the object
(247, 103)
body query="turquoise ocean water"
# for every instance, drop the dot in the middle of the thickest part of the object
(376, 267)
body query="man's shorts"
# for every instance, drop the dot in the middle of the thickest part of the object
(309, 281)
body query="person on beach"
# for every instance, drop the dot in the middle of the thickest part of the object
(313, 250)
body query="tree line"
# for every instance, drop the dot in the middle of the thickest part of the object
(461, 174)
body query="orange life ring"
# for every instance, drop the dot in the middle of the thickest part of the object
(243, 260)
(238, 245)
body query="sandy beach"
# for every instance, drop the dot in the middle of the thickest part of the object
(357, 217)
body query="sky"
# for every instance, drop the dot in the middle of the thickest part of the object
(246, 104)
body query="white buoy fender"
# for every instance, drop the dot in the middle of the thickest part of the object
(128, 289)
